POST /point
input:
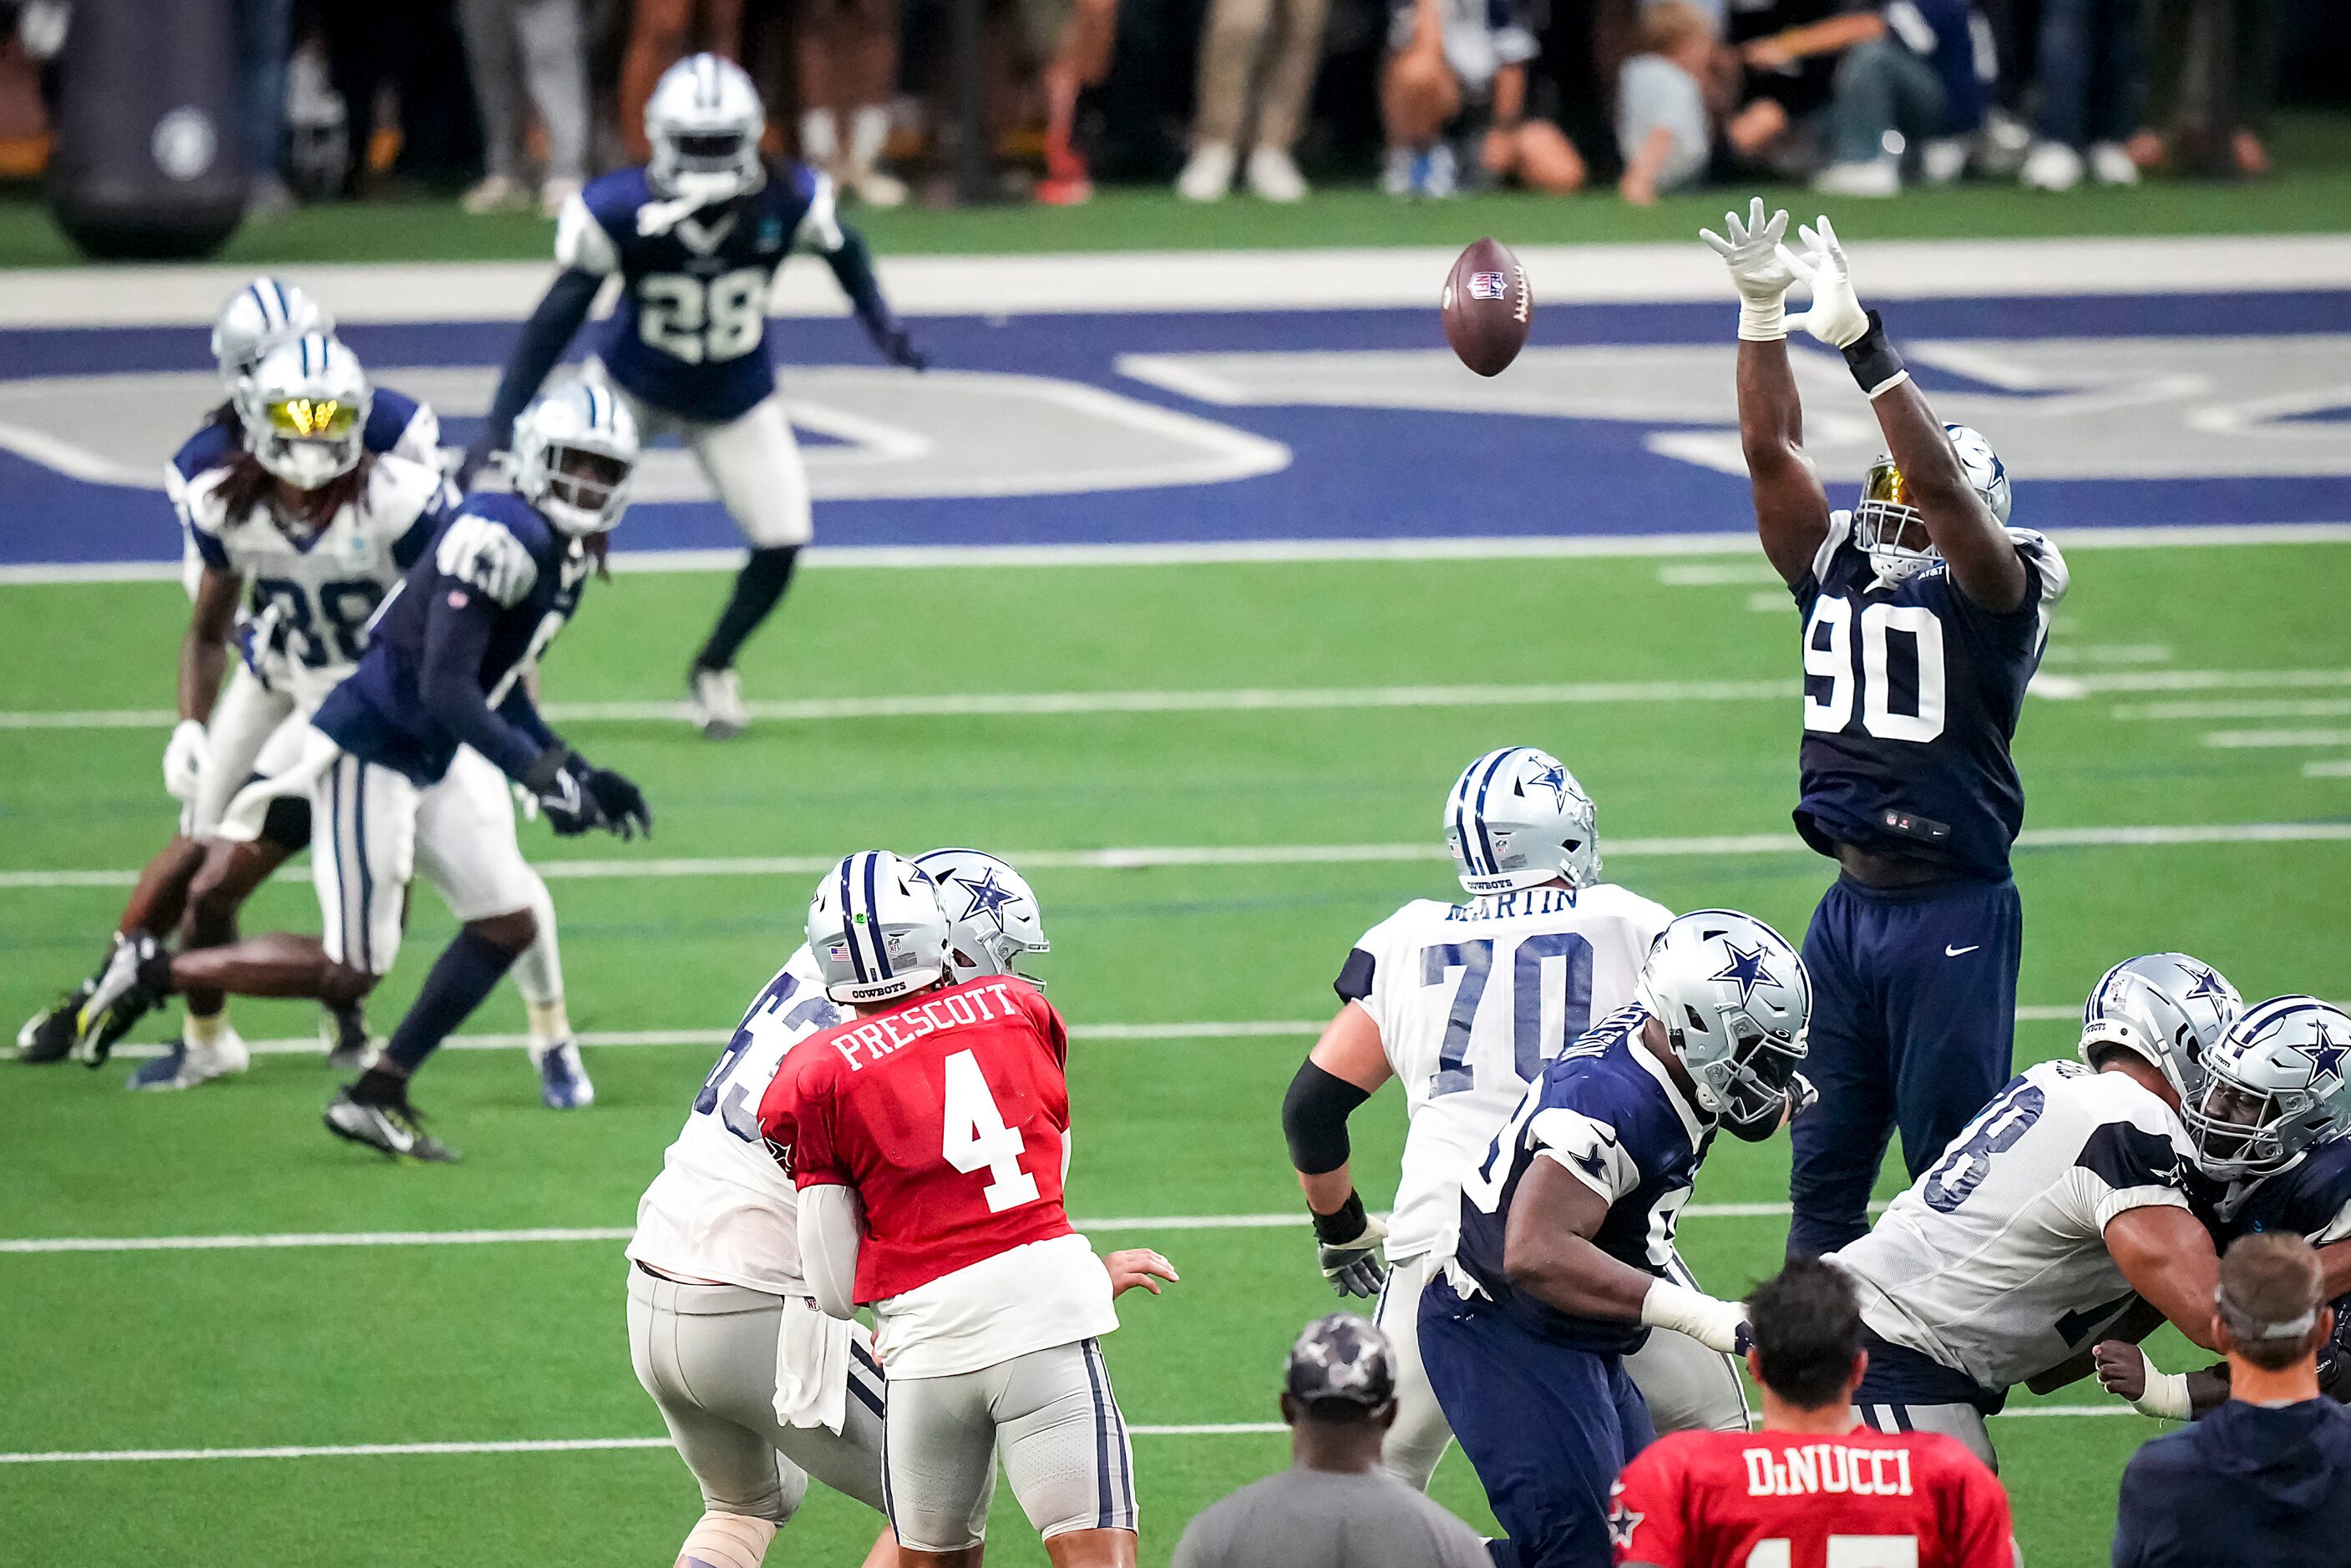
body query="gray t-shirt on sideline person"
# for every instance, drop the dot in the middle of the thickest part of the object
(1652, 91)
(1322, 1518)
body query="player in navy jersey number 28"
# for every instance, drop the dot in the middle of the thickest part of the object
(1925, 616)
(696, 237)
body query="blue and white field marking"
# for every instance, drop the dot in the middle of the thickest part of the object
(1244, 403)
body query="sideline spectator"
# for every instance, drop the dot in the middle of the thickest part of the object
(2089, 73)
(2266, 1478)
(1334, 1507)
(509, 43)
(2233, 45)
(659, 31)
(1073, 39)
(1915, 71)
(265, 38)
(1230, 48)
(847, 52)
(1465, 61)
(1665, 130)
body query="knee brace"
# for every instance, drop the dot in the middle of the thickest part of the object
(726, 1541)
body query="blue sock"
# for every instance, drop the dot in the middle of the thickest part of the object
(467, 970)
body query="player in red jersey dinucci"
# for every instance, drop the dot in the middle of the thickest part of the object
(928, 1136)
(1813, 1489)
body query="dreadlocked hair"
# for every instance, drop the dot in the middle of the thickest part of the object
(248, 484)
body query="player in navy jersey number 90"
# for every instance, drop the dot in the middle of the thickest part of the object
(696, 237)
(1925, 616)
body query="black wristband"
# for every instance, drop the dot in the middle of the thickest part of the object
(1331, 1229)
(1875, 364)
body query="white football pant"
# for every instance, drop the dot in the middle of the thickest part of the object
(753, 462)
(245, 718)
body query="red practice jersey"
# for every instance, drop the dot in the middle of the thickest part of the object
(1787, 1499)
(947, 1113)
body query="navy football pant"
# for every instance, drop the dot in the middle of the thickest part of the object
(1546, 1426)
(1914, 1024)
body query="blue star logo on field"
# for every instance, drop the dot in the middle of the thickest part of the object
(987, 898)
(2207, 981)
(1745, 967)
(2327, 1056)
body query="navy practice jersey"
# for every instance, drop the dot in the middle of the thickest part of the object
(498, 546)
(1911, 697)
(2312, 1199)
(690, 333)
(1607, 1113)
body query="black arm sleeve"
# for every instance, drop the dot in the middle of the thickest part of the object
(1314, 1119)
(852, 268)
(455, 639)
(544, 336)
(521, 713)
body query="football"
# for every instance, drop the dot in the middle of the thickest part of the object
(1488, 308)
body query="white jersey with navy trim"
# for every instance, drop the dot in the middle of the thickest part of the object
(1994, 1262)
(1471, 1000)
(721, 1208)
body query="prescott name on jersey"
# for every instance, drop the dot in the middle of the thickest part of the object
(1911, 698)
(1471, 1000)
(1994, 1264)
(947, 1112)
(1788, 1500)
(497, 548)
(1607, 1113)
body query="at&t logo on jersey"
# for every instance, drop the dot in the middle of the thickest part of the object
(1819, 1468)
(1488, 286)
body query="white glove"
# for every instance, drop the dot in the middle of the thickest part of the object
(1837, 318)
(184, 755)
(1760, 269)
(1717, 1324)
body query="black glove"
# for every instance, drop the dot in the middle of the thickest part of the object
(562, 783)
(896, 344)
(1347, 1246)
(621, 804)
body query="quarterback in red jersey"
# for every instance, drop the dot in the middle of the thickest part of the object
(928, 1136)
(1813, 1489)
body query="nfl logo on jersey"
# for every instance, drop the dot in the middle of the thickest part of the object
(1488, 286)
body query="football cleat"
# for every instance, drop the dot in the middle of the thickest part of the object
(563, 1082)
(345, 1034)
(117, 1002)
(185, 1064)
(392, 1130)
(715, 698)
(48, 1034)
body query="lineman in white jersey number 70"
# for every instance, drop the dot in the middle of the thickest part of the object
(1464, 1002)
(2055, 1214)
(723, 1326)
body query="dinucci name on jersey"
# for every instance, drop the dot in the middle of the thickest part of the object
(1827, 1469)
(1471, 1001)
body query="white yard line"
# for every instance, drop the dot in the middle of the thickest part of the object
(1251, 552)
(1148, 857)
(2238, 739)
(2331, 768)
(2246, 708)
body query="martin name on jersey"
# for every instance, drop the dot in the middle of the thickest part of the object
(1471, 1000)
(313, 591)
(721, 1208)
(1994, 1264)
(1911, 697)
(1608, 1113)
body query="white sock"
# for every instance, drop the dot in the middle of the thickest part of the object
(868, 132)
(205, 1033)
(820, 138)
(548, 1023)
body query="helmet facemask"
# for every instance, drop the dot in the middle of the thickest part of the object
(1888, 529)
(584, 489)
(2239, 1132)
(1746, 1088)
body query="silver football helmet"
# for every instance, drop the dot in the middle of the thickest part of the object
(2276, 1086)
(259, 317)
(875, 929)
(1889, 529)
(574, 451)
(992, 915)
(1517, 818)
(705, 120)
(2168, 1008)
(304, 409)
(1736, 1004)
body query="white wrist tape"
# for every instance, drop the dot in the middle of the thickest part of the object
(1763, 320)
(2166, 1393)
(1713, 1323)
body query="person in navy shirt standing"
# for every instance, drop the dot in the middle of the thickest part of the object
(1567, 1230)
(696, 237)
(1924, 618)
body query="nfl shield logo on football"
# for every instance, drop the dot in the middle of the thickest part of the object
(1488, 286)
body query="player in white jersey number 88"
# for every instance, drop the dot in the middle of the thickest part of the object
(1464, 1002)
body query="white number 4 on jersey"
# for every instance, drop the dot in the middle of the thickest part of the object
(978, 1139)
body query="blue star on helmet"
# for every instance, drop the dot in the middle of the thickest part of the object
(2204, 981)
(987, 898)
(1745, 967)
(1554, 779)
(2327, 1056)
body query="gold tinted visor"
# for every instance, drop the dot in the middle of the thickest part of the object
(1885, 485)
(303, 419)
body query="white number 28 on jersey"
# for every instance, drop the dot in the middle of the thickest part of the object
(978, 1139)
(688, 319)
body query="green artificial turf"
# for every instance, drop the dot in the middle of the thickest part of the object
(523, 1341)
